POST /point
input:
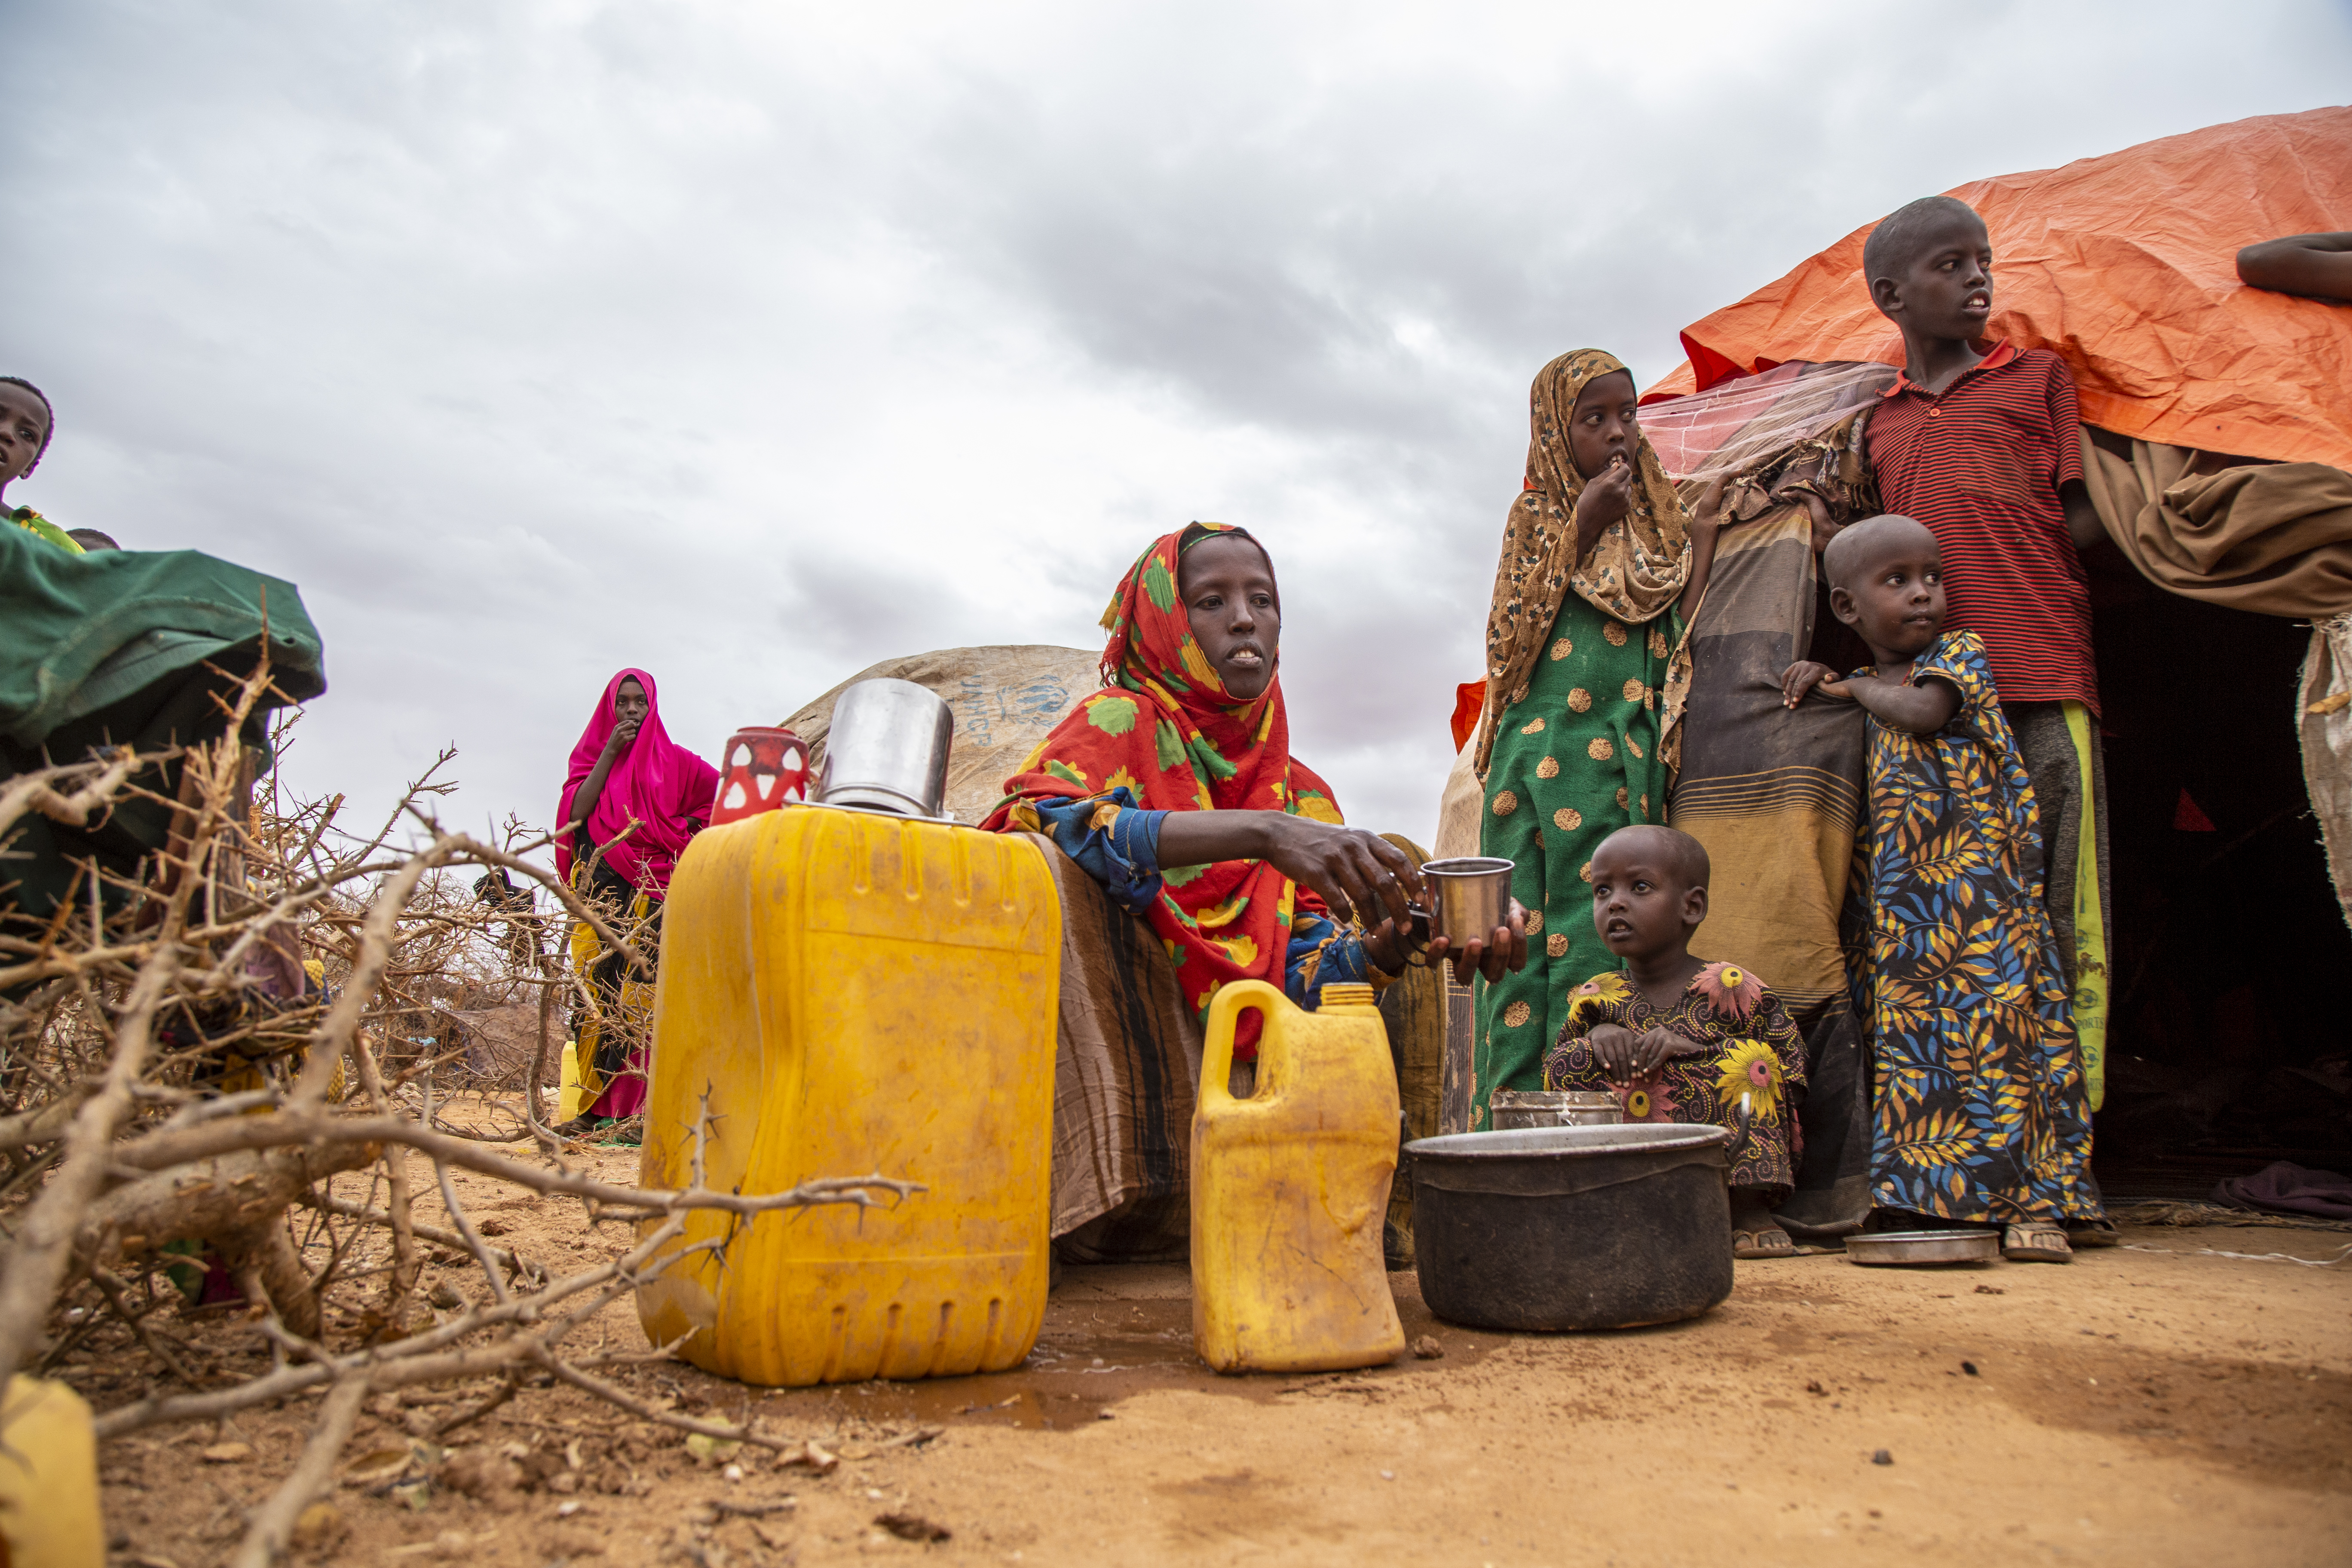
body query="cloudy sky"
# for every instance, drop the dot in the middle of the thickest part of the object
(754, 343)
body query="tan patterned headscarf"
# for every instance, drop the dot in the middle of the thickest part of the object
(1637, 565)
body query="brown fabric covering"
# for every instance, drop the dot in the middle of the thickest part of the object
(1127, 1070)
(1774, 793)
(2273, 538)
(1637, 567)
(2324, 716)
(1776, 796)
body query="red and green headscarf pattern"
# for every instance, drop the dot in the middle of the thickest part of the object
(1165, 728)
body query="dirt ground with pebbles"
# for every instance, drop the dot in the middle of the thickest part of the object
(2150, 1405)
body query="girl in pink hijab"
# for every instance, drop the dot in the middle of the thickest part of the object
(632, 798)
(625, 768)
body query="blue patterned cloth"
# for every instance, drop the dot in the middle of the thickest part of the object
(1980, 1109)
(1116, 842)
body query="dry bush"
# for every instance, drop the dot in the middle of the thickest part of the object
(173, 1099)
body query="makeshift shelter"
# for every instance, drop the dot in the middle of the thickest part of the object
(139, 648)
(2218, 435)
(2126, 266)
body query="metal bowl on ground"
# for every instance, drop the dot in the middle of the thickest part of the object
(1554, 1108)
(1573, 1228)
(1913, 1249)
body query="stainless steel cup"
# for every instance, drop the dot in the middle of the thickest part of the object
(1468, 896)
(887, 749)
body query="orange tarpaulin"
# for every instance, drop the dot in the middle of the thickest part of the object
(2126, 265)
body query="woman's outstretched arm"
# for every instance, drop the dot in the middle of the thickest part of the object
(1358, 875)
(1355, 871)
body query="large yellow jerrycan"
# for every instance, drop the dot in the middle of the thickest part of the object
(1289, 1187)
(858, 993)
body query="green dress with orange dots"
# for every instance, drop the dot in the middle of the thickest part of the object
(1575, 760)
(1749, 1078)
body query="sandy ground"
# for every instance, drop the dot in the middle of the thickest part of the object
(2149, 1405)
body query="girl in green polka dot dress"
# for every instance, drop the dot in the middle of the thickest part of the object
(1598, 557)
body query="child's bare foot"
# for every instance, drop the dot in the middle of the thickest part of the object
(1754, 1231)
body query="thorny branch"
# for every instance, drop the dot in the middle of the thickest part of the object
(173, 1087)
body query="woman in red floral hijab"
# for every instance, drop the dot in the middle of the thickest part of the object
(1174, 786)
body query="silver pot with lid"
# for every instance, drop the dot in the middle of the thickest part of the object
(1554, 1108)
(887, 749)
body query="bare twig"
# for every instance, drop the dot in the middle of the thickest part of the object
(97, 783)
(293, 1126)
(164, 1079)
(273, 1521)
(44, 1241)
(513, 1262)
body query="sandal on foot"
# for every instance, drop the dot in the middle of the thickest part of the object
(2082, 1233)
(1770, 1241)
(2036, 1241)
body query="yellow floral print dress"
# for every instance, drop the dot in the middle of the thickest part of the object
(1750, 1077)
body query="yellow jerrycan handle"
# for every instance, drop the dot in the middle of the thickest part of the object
(1224, 1012)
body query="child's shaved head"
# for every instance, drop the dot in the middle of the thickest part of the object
(1895, 243)
(1673, 850)
(1857, 544)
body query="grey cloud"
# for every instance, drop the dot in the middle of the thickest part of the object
(755, 346)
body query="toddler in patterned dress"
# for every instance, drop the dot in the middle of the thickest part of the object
(1979, 1106)
(1677, 1038)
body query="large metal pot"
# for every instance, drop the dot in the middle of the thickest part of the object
(887, 749)
(1573, 1228)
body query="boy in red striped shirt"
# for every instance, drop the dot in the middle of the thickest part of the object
(1981, 443)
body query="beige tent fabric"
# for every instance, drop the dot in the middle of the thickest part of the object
(1459, 812)
(2273, 538)
(1005, 700)
(2323, 715)
(1459, 809)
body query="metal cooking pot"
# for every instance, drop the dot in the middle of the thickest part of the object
(887, 749)
(1573, 1228)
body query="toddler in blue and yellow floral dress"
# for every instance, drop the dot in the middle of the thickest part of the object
(1980, 1105)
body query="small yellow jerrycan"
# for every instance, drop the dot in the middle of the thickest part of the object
(1290, 1185)
(568, 1100)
